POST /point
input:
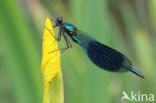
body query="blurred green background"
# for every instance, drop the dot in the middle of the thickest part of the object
(129, 26)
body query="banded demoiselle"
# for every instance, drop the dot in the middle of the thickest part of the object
(100, 54)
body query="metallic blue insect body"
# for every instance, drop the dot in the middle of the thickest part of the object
(100, 54)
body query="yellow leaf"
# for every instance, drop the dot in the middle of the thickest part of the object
(51, 67)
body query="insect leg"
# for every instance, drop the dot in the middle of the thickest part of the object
(59, 35)
(54, 22)
(69, 45)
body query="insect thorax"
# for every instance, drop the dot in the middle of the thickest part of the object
(69, 28)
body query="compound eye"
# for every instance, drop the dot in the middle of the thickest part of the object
(59, 19)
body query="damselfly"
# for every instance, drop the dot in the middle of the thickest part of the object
(100, 54)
